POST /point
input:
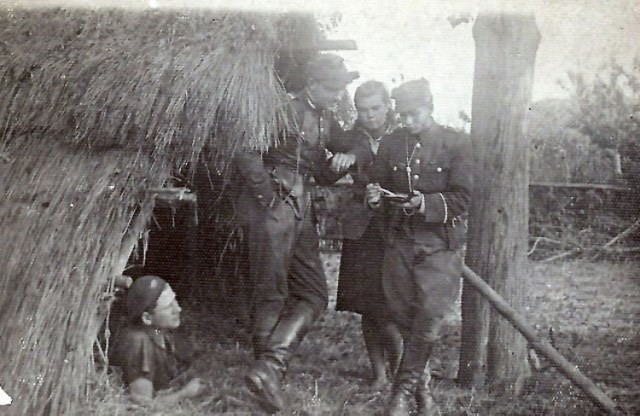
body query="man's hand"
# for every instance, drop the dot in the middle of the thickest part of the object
(342, 161)
(415, 202)
(373, 194)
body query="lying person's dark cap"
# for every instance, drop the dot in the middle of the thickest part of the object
(143, 295)
(329, 70)
(411, 95)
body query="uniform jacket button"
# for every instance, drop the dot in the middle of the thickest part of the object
(438, 169)
(416, 177)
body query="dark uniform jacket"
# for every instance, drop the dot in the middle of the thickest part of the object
(441, 167)
(304, 152)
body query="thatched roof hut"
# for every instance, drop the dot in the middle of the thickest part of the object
(96, 109)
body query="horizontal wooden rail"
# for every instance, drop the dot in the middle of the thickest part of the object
(586, 186)
(602, 186)
(337, 45)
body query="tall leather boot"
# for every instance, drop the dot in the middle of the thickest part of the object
(414, 360)
(264, 320)
(265, 378)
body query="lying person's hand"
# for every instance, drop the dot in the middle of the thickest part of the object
(194, 388)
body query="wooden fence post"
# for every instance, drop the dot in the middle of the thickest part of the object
(492, 351)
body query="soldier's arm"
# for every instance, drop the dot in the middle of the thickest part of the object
(339, 144)
(250, 167)
(347, 143)
(455, 199)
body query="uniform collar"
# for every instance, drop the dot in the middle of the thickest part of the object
(157, 336)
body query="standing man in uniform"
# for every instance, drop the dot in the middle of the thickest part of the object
(289, 285)
(422, 180)
(360, 279)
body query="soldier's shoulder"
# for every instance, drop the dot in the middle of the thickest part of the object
(294, 100)
(455, 137)
(134, 334)
(395, 136)
(393, 140)
(296, 107)
(354, 133)
(451, 132)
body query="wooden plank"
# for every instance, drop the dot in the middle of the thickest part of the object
(337, 45)
(599, 186)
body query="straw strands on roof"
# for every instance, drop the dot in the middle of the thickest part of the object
(167, 81)
(96, 108)
(64, 217)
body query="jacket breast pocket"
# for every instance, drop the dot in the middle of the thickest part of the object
(434, 177)
(399, 177)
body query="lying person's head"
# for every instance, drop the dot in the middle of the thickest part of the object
(152, 302)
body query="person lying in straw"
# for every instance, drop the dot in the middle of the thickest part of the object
(143, 349)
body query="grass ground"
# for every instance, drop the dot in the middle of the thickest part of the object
(592, 308)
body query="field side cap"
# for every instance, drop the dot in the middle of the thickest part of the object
(329, 70)
(166, 297)
(411, 95)
(143, 295)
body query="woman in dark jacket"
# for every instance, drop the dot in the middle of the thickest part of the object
(359, 285)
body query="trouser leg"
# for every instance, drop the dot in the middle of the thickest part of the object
(270, 233)
(433, 280)
(307, 281)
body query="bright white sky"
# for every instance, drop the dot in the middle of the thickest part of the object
(413, 38)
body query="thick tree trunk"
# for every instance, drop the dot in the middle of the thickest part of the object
(492, 350)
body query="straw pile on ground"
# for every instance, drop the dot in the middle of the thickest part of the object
(96, 108)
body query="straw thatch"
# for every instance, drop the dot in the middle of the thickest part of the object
(96, 108)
